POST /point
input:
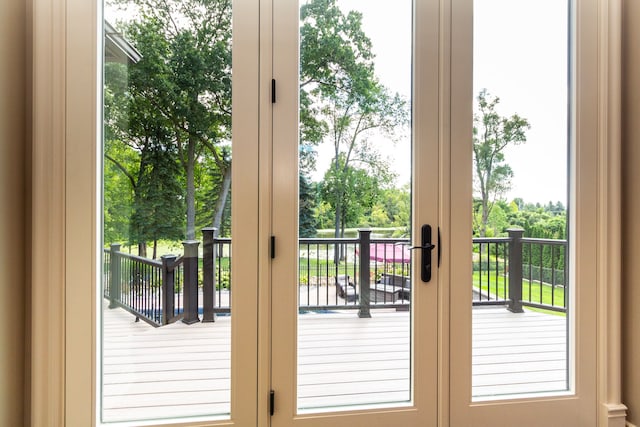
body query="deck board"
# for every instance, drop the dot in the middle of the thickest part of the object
(180, 370)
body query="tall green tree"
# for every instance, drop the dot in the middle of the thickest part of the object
(492, 133)
(343, 103)
(138, 150)
(352, 190)
(307, 205)
(185, 75)
(158, 209)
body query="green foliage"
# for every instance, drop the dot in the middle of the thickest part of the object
(158, 209)
(307, 204)
(118, 194)
(537, 221)
(182, 86)
(339, 187)
(342, 104)
(492, 133)
(392, 209)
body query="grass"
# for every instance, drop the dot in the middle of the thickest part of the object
(322, 268)
(534, 292)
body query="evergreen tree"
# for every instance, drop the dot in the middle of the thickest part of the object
(158, 210)
(307, 205)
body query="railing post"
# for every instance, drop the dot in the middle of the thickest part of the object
(208, 275)
(515, 270)
(190, 281)
(365, 248)
(168, 287)
(116, 276)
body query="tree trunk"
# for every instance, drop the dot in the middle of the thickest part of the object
(337, 256)
(142, 249)
(485, 216)
(191, 189)
(222, 198)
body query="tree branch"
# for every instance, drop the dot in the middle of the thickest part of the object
(123, 169)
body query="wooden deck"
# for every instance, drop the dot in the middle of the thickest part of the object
(181, 370)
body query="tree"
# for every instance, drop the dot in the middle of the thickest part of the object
(185, 76)
(492, 133)
(339, 187)
(138, 151)
(307, 204)
(158, 209)
(344, 104)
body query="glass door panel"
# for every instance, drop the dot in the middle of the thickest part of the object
(346, 284)
(354, 334)
(175, 301)
(521, 280)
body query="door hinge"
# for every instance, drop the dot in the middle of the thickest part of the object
(272, 402)
(439, 248)
(273, 91)
(273, 247)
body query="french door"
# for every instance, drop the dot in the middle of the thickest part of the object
(341, 352)
(371, 357)
(283, 341)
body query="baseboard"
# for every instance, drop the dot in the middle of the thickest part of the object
(630, 425)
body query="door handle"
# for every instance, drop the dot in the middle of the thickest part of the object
(425, 256)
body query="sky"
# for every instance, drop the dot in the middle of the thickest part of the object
(520, 55)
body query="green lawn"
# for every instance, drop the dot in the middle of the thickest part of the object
(531, 291)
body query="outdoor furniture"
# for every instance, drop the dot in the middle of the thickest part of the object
(391, 288)
(345, 288)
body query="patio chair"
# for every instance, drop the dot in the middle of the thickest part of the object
(345, 288)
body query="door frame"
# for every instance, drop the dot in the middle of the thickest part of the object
(595, 223)
(62, 182)
(63, 371)
(427, 145)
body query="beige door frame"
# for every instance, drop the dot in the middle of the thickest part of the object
(595, 219)
(63, 232)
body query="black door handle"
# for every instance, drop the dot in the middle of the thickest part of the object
(425, 256)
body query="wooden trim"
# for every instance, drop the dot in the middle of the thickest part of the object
(612, 411)
(265, 166)
(83, 37)
(47, 309)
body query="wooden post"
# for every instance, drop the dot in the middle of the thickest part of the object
(116, 276)
(168, 287)
(190, 261)
(515, 270)
(365, 249)
(208, 274)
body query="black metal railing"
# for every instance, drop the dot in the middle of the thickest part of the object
(140, 285)
(334, 274)
(544, 273)
(325, 284)
(518, 271)
(173, 288)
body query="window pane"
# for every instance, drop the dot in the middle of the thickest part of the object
(166, 172)
(354, 326)
(520, 250)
